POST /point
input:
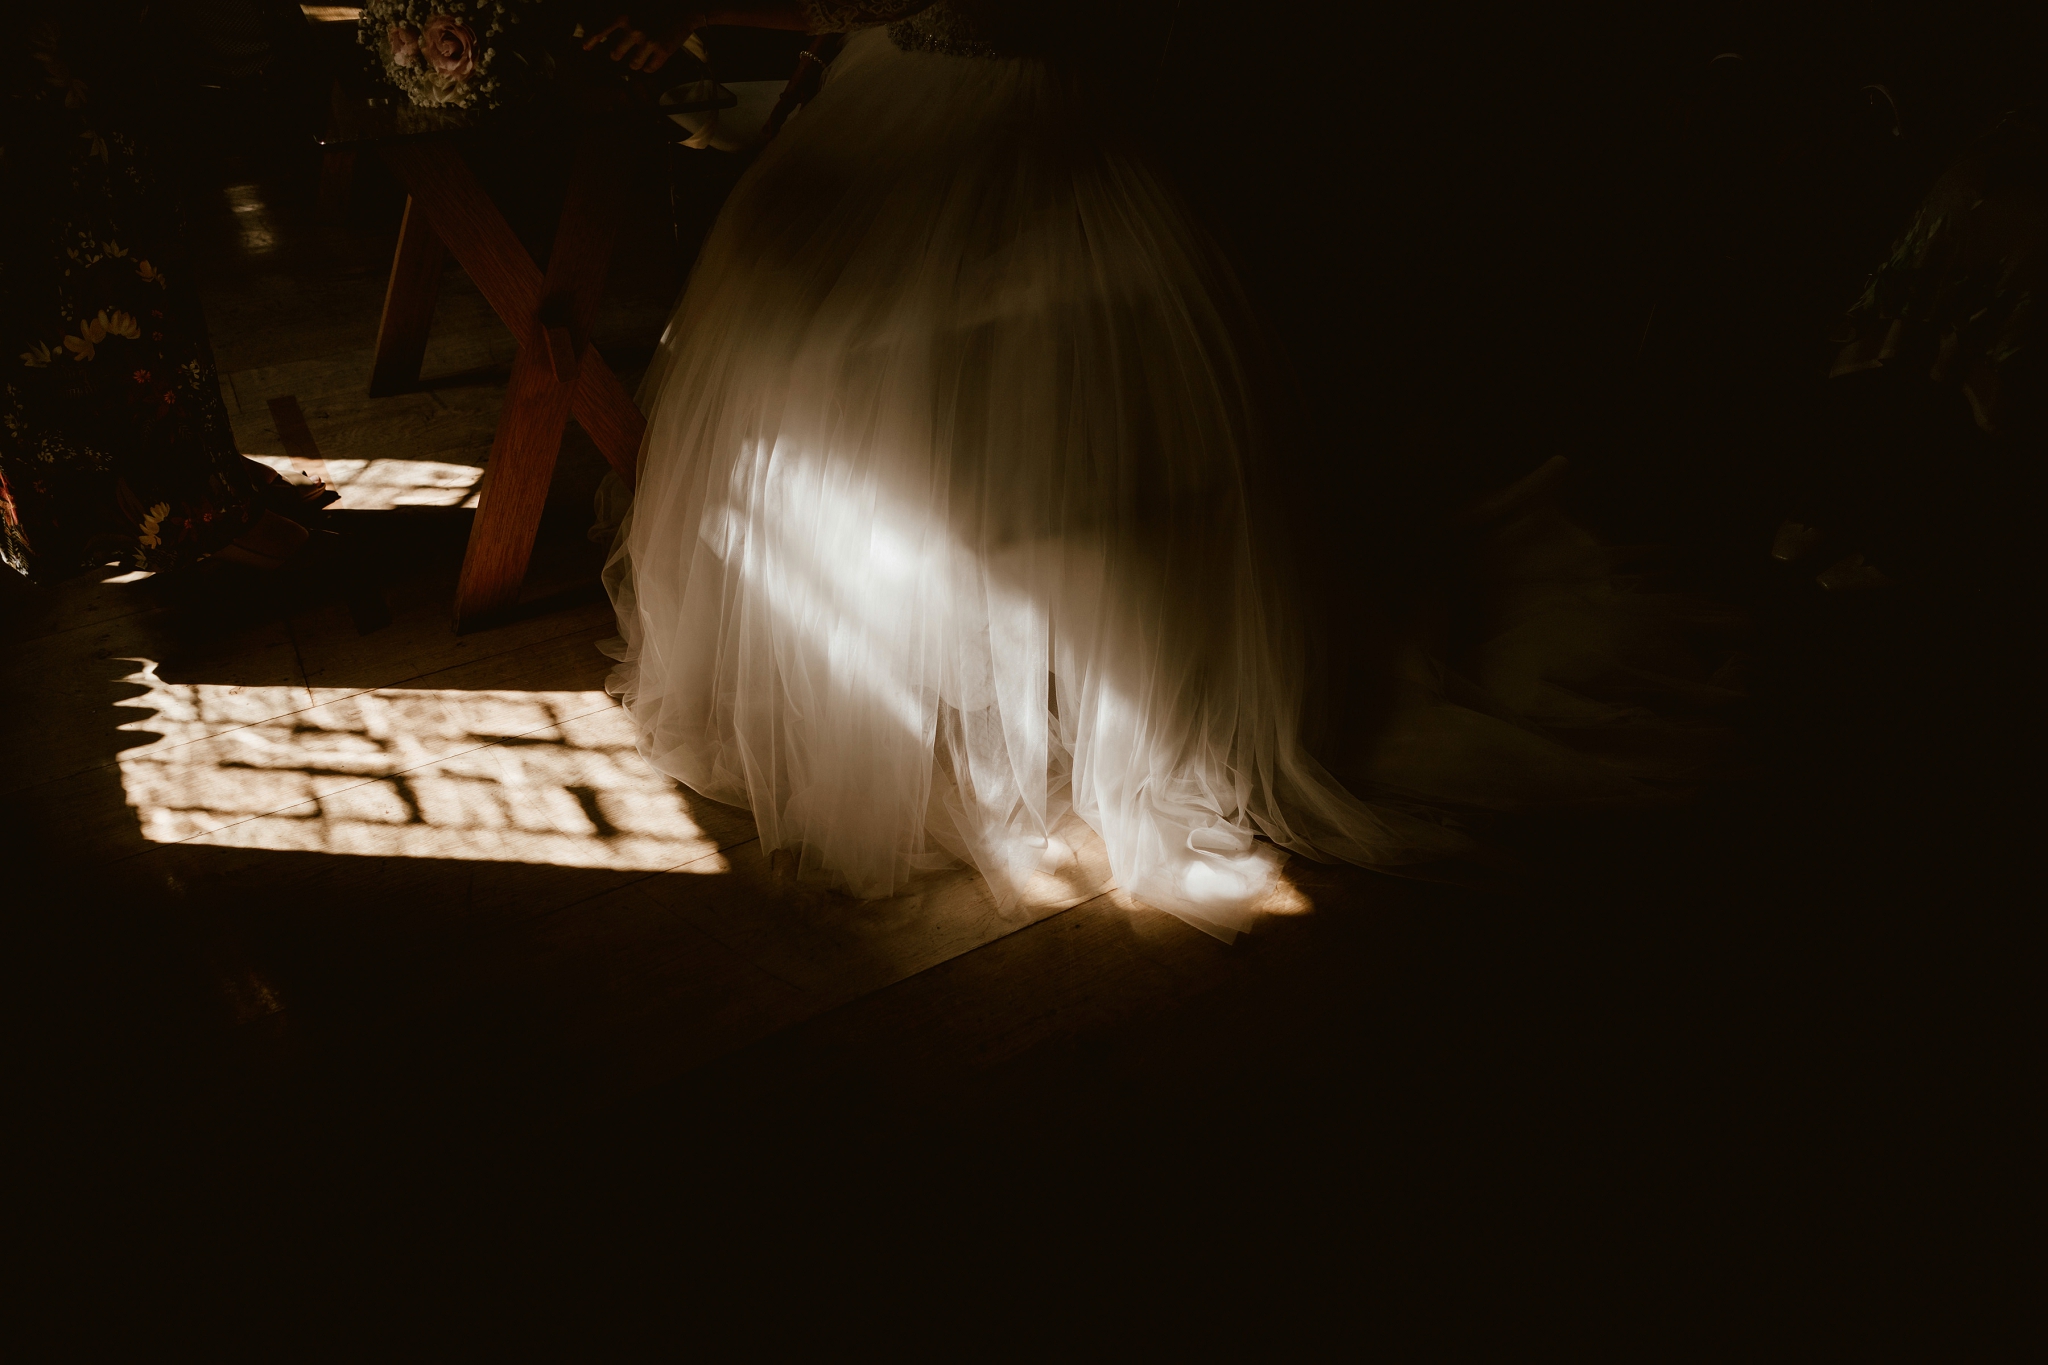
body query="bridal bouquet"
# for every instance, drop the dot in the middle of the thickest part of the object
(460, 53)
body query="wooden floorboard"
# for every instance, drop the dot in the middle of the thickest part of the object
(404, 855)
(492, 1004)
(392, 888)
(189, 688)
(400, 875)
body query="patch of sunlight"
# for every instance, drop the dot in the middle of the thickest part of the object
(521, 777)
(380, 485)
(252, 216)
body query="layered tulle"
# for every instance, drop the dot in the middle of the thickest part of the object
(948, 520)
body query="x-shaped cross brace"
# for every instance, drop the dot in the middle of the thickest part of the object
(556, 372)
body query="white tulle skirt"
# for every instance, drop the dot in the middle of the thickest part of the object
(949, 526)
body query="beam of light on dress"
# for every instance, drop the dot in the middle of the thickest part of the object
(916, 674)
(504, 776)
(863, 587)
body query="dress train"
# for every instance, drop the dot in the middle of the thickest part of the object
(953, 520)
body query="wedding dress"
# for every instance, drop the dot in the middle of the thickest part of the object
(953, 523)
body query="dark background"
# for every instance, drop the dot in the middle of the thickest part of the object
(1570, 229)
(1748, 1067)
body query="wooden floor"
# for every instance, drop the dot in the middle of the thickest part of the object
(438, 854)
(368, 876)
(332, 925)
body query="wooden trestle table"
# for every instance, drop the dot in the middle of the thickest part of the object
(556, 372)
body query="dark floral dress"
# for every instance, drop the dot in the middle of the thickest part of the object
(114, 443)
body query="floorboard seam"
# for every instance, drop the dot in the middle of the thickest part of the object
(299, 658)
(865, 998)
(115, 762)
(265, 814)
(143, 610)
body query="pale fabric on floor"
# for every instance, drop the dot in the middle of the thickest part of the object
(946, 525)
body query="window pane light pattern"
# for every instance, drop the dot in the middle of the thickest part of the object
(507, 776)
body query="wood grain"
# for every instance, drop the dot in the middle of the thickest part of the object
(201, 757)
(67, 672)
(409, 298)
(561, 353)
(412, 970)
(831, 945)
(514, 489)
(485, 246)
(552, 325)
(582, 252)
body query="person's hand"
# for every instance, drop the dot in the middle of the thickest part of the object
(643, 44)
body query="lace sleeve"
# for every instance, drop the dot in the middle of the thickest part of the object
(837, 16)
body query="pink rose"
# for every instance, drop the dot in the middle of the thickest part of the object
(450, 46)
(405, 44)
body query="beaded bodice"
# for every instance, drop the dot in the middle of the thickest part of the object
(953, 28)
(971, 28)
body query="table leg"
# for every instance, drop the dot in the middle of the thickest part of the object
(408, 304)
(608, 415)
(484, 246)
(545, 381)
(556, 372)
(514, 490)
